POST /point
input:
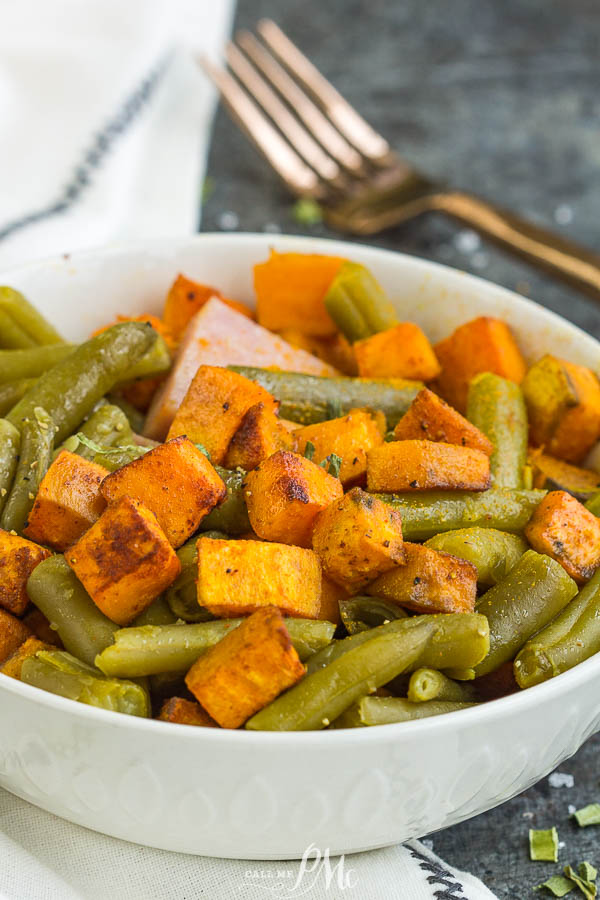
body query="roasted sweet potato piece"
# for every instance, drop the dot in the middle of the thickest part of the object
(290, 288)
(175, 481)
(186, 297)
(430, 418)
(259, 436)
(68, 502)
(558, 475)
(18, 559)
(329, 606)
(357, 538)
(185, 712)
(484, 344)
(237, 577)
(425, 466)
(214, 408)
(124, 561)
(284, 495)
(246, 670)
(429, 582)
(13, 633)
(399, 352)
(158, 324)
(37, 622)
(564, 529)
(349, 437)
(334, 350)
(29, 647)
(563, 406)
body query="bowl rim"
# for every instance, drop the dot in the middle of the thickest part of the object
(479, 715)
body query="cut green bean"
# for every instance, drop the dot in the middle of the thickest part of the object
(182, 595)
(496, 406)
(573, 636)
(492, 552)
(361, 613)
(459, 673)
(532, 593)
(151, 650)
(319, 698)
(37, 439)
(58, 593)
(135, 418)
(432, 512)
(107, 426)
(593, 504)
(156, 361)
(32, 361)
(231, 516)
(12, 391)
(10, 443)
(390, 710)
(358, 304)
(307, 399)
(158, 613)
(60, 673)
(429, 684)
(70, 390)
(12, 336)
(27, 317)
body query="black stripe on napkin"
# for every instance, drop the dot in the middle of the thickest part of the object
(451, 889)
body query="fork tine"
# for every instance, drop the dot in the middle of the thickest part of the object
(304, 107)
(348, 121)
(286, 162)
(293, 130)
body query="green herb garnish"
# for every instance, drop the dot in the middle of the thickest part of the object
(558, 885)
(203, 449)
(105, 451)
(335, 464)
(543, 844)
(309, 450)
(586, 885)
(588, 815)
(307, 212)
(334, 409)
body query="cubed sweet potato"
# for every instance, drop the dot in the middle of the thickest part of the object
(484, 344)
(175, 481)
(399, 352)
(68, 502)
(259, 436)
(13, 633)
(357, 538)
(238, 577)
(290, 289)
(563, 406)
(430, 418)
(564, 529)
(246, 670)
(214, 407)
(29, 647)
(185, 712)
(284, 495)
(558, 475)
(331, 594)
(18, 559)
(425, 466)
(124, 561)
(335, 350)
(220, 336)
(39, 625)
(349, 437)
(186, 297)
(429, 582)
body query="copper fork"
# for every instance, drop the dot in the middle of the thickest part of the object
(323, 149)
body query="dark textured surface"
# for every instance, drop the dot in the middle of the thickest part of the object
(500, 98)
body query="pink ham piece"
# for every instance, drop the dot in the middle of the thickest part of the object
(219, 336)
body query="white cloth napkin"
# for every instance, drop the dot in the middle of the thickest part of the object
(105, 127)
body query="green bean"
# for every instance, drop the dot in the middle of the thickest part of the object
(37, 439)
(429, 684)
(58, 593)
(60, 673)
(574, 635)
(496, 406)
(322, 696)
(460, 673)
(231, 516)
(492, 552)
(389, 710)
(158, 613)
(12, 391)
(427, 514)
(458, 639)
(70, 390)
(533, 592)
(154, 649)
(358, 304)
(32, 361)
(10, 442)
(156, 361)
(361, 613)
(307, 399)
(107, 426)
(12, 336)
(135, 418)
(119, 456)
(593, 504)
(182, 595)
(27, 317)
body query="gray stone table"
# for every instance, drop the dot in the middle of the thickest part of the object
(499, 97)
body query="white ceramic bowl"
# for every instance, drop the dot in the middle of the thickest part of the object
(269, 796)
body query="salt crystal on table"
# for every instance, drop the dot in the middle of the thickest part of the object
(571, 809)
(427, 843)
(528, 815)
(561, 844)
(561, 779)
(229, 221)
(467, 241)
(563, 214)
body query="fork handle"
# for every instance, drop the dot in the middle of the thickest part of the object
(569, 261)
